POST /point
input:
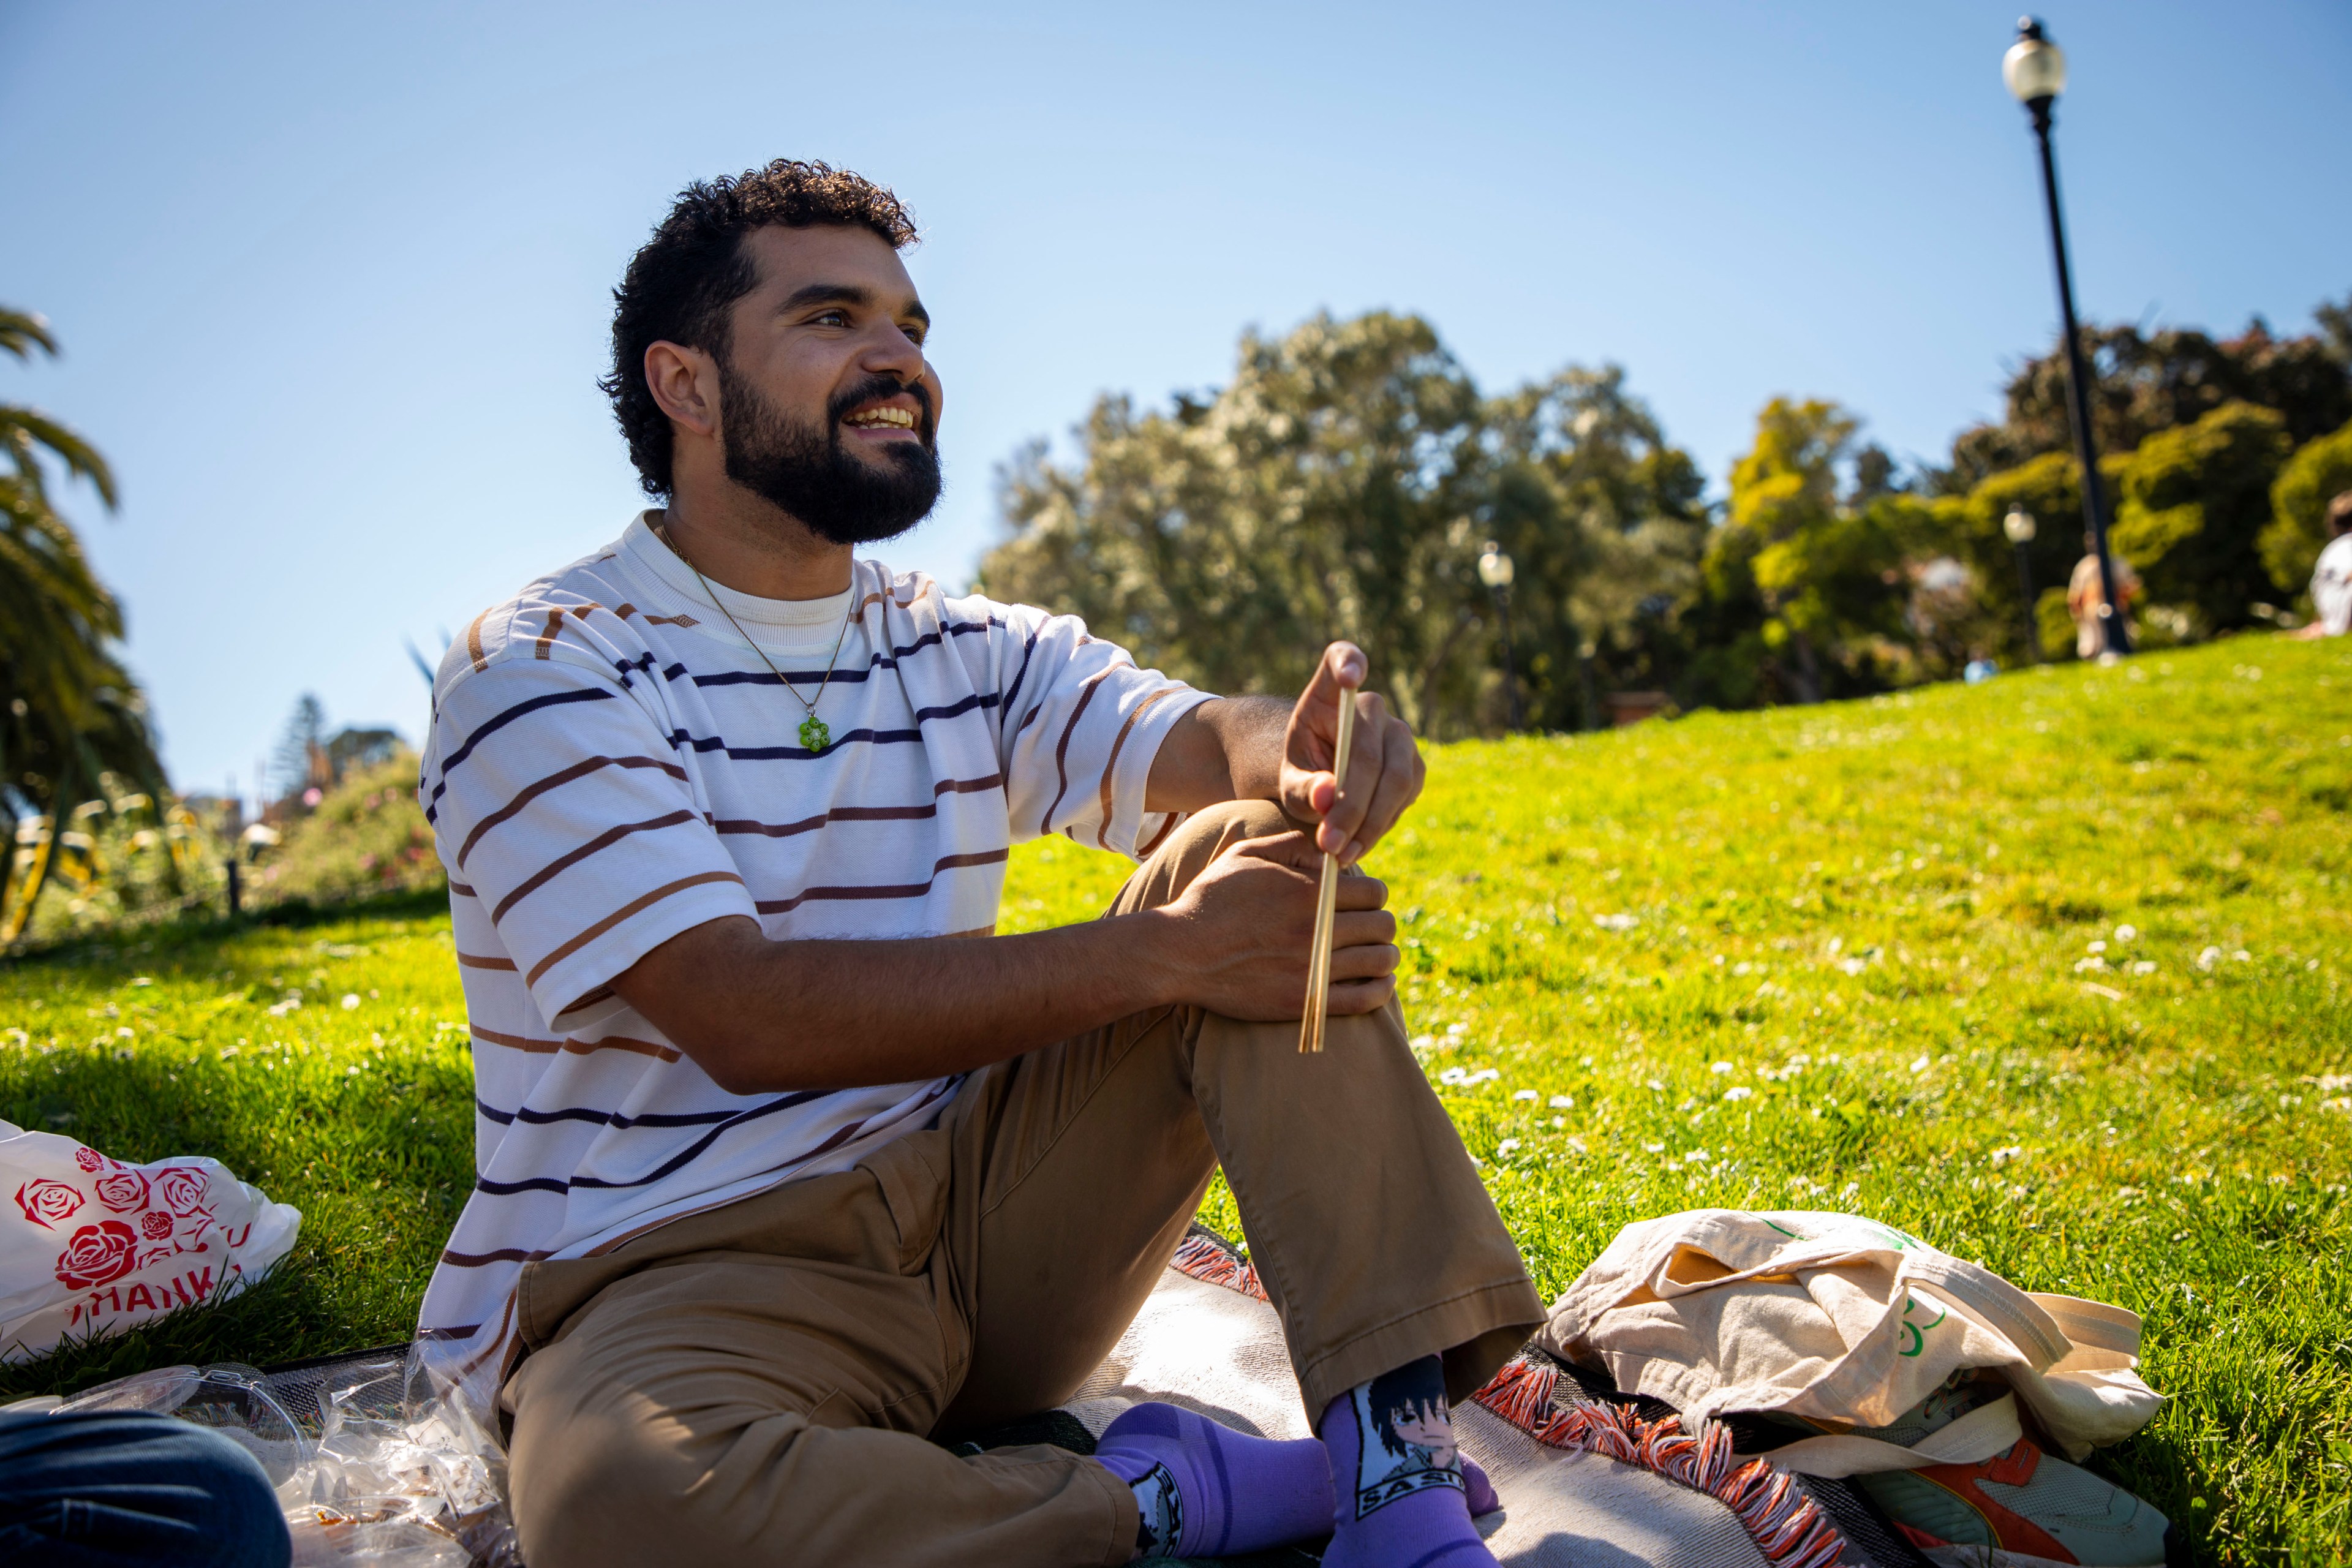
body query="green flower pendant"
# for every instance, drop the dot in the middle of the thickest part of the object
(813, 734)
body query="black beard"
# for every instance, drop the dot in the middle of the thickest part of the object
(808, 472)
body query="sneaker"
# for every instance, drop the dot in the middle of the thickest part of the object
(2022, 1502)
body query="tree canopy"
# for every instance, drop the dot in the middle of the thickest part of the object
(1343, 485)
(1344, 482)
(2144, 383)
(73, 719)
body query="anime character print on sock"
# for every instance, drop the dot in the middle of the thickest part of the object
(1402, 1494)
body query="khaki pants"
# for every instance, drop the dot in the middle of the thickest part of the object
(756, 1383)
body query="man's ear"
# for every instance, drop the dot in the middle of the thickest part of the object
(684, 382)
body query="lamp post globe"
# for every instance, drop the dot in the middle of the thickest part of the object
(2035, 71)
(2035, 66)
(1496, 571)
(2020, 528)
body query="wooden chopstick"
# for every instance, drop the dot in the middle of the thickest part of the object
(1319, 962)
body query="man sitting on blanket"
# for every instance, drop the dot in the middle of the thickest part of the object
(787, 1165)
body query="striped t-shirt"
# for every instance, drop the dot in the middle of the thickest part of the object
(609, 764)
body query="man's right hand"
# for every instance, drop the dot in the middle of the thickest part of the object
(1242, 931)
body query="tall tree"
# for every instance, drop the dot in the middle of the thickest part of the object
(301, 759)
(2048, 489)
(1604, 522)
(2319, 471)
(1343, 484)
(1818, 564)
(1326, 492)
(72, 715)
(2144, 383)
(2191, 507)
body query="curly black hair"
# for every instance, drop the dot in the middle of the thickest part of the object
(679, 285)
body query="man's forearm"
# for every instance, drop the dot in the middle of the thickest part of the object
(761, 1017)
(1230, 749)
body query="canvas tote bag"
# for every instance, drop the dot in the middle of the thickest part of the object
(1841, 1319)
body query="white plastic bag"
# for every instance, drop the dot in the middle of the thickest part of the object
(89, 1245)
(374, 1465)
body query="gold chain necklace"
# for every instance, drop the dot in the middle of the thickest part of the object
(814, 736)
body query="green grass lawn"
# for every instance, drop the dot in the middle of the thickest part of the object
(1837, 958)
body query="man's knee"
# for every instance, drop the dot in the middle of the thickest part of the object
(1211, 830)
(586, 1487)
(1185, 853)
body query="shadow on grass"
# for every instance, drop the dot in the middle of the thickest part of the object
(363, 1121)
(182, 932)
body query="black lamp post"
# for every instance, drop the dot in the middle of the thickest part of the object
(1496, 571)
(2020, 527)
(2035, 70)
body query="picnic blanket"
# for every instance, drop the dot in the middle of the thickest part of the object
(1588, 1478)
(1585, 1482)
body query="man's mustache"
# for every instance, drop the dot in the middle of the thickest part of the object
(873, 389)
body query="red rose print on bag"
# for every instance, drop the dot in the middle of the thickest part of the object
(98, 1254)
(46, 1202)
(123, 1191)
(88, 1159)
(155, 1225)
(183, 1189)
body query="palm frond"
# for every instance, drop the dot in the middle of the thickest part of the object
(22, 332)
(73, 723)
(21, 429)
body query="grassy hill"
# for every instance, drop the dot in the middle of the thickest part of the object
(2049, 972)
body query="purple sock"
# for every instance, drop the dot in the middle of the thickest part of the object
(1402, 1500)
(1209, 1491)
(1481, 1497)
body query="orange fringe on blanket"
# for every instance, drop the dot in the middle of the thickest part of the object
(1787, 1526)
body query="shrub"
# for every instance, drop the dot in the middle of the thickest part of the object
(366, 836)
(2320, 470)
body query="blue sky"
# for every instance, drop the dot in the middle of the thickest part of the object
(332, 281)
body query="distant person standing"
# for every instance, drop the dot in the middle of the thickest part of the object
(2331, 579)
(2085, 593)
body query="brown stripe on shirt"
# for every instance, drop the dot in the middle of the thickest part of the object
(476, 960)
(898, 890)
(503, 1255)
(474, 642)
(1062, 748)
(643, 901)
(537, 787)
(1110, 768)
(580, 1047)
(1159, 838)
(555, 622)
(571, 857)
(969, 786)
(572, 1045)
(516, 1042)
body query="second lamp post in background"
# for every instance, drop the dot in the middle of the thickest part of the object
(1495, 570)
(2019, 526)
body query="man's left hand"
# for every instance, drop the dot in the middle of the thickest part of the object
(1384, 766)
